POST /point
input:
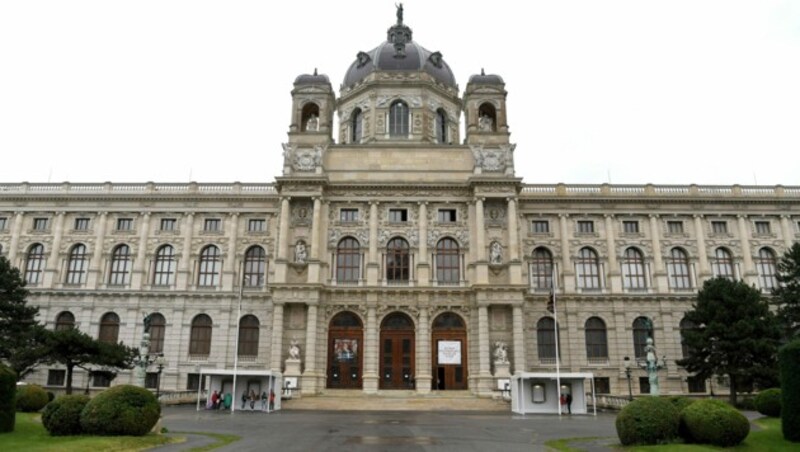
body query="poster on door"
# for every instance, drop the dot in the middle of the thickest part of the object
(345, 350)
(449, 352)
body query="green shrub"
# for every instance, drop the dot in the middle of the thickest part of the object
(31, 398)
(714, 422)
(649, 420)
(62, 416)
(8, 388)
(746, 403)
(680, 402)
(768, 402)
(50, 396)
(789, 359)
(121, 410)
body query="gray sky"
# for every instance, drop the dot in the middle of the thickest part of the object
(671, 92)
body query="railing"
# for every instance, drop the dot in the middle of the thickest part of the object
(650, 190)
(175, 397)
(108, 188)
(608, 401)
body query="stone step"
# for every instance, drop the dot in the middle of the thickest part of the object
(356, 400)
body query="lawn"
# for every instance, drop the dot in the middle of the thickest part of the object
(30, 435)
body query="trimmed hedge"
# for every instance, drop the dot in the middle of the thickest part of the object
(649, 420)
(62, 416)
(768, 402)
(121, 410)
(714, 422)
(680, 402)
(31, 398)
(8, 388)
(789, 359)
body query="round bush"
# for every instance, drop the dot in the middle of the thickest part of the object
(649, 420)
(746, 403)
(714, 422)
(50, 396)
(121, 410)
(62, 416)
(31, 398)
(680, 402)
(768, 402)
(8, 389)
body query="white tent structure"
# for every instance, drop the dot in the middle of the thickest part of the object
(258, 381)
(537, 392)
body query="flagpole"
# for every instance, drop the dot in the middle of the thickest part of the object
(236, 347)
(555, 318)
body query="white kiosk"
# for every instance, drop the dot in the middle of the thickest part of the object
(537, 392)
(257, 381)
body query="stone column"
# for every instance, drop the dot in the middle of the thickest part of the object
(566, 262)
(370, 379)
(484, 351)
(310, 375)
(372, 257)
(53, 270)
(520, 364)
(613, 279)
(659, 273)
(515, 266)
(277, 336)
(313, 262)
(786, 231)
(481, 266)
(95, 277)
(139, 265)
(423, 266)
(15, 234)
(702, 255)
(749, 274)
(423, 349)
(182, 280)
(283, 242)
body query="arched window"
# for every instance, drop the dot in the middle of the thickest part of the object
(487, 118)
(766, 264)
(642, 329)
(397, 260)
(120, 274)
(722, 263)
(109, 328)
(686, 325)
(200, 335)
(65, 321)
(158, 327)
(441, 126)
(348, 260)
(248, 336)
(633, 270)
(541, 269)
(164, 272)
(76, 265)
(588, 269)
(356, 126)
(309, 120)
(448, 261)
(546, 339)
(34, 264)
(398, 119)
(678, 269)
(255, 264)
(208, 276)
(596, 339)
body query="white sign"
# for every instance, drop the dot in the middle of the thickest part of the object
(449, 352)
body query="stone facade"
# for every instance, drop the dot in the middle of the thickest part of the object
(387, 251)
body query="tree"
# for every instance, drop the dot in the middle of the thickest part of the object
(736, 335)
(787, 294)
(73, 348)
(21, 336)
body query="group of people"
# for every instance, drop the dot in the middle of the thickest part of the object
(566, 403)
(219, 401)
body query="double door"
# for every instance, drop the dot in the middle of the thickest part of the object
(397, 360)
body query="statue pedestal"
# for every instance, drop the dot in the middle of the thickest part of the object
(502, 378)
(292, 368)
(502, 370)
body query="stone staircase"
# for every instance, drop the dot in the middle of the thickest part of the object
(396, 400)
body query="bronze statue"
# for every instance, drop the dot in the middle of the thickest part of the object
(399, 13)
(148, 320)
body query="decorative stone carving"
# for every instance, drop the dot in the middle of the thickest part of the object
(494, 160)
(294, 350)
(300, 252)
(308, 159)
(495, 253)
(500, 352)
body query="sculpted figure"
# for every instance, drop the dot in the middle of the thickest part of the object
(500, 352)
(312, 124)
(495, 253)
(294, 350)
(300, 253)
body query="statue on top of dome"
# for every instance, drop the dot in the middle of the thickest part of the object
(399, 13)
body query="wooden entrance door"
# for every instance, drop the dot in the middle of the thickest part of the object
(345, 342)
(449, 341)
(397, 352)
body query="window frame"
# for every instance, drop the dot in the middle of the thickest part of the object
(398, 260)
(81, 224)
(164, 266)
(77, 265)
(348, 215)
(212, 225)
(124, 224)
(447, 215)
(209, 266)
(675, 227)
(34, 264)
(677, 262)
(587, 269)
(348, 260)
(402, 213)
(399, 119)
(168, 224)
(201, 334)
(119, 273)
(634, 270)
(540, 226)
(630, 226)
(255, 266)
(584, 227)
(448, 261)
(41, 224)
(541, 268)
(596, 338)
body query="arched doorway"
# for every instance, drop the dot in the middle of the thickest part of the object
(345, 341)
(397, 352)
(449, 340)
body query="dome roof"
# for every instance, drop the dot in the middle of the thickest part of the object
(312, 79)
(399, 53)
(484, 79)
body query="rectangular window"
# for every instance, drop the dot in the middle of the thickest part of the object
(348, 215)
(696, 385)
(193, 382)
(81, 224)
(151, 380)
(56, 377)
(585, 227)
(3, 223)
(256, 225)
(447, 215)
(719, 227)
(675, 227)
(630, 227)
(644, 385)
(124, 224)
(168, 224)
(212, 225)
(40, 224)
(398, 215)
(540, 227)
(101, 379)
(602, 385)
(762, 228)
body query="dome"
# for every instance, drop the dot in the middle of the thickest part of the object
(399, 53)
(312, 79)
(484, 79)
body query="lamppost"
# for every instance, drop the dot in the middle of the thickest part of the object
(627, 362)
(160, 363)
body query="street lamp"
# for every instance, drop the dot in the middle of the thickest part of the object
(160, 363)
(627, 362)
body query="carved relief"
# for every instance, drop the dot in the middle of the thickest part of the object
(493, 160)
(301, 213)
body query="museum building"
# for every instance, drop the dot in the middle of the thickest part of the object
(399, 256)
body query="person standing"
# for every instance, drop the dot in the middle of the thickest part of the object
(253, 398)
(563, 403)
(569, 402)
(263, 401)
(271, 400)
(244, 398)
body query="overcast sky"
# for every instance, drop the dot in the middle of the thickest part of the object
(671, 92)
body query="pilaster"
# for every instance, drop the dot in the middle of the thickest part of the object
(749, 274)
(15, 235)
(183, 276)
(283, 242)
(52, 272)
(659, 273)
(566, 263)
(514, 265)
(423, 350)
(613, 273)
(137, 278)
(423, 266)
(370, 379)
(372, 257)
(311, 378)
(277, 336)
(481, 264)
(518, 322)
(702, 255)
(94, 279)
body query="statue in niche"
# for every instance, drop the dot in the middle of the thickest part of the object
(500, 352)
(300, 253)
(312, 124)
(294, 350)
(495, 253)
(485, 123)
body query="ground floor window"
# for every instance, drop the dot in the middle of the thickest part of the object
(101, 379)
(151, 380)
(193, 382)
(644, 385)
(56, 377)
(696, 384)
(602, 385)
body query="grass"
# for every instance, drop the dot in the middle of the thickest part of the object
(562, 445)
(221, 440)
(30, 435)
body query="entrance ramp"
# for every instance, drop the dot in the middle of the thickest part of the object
(395, 400)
